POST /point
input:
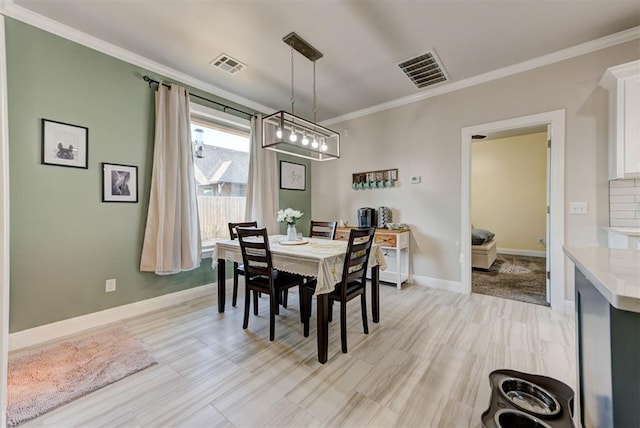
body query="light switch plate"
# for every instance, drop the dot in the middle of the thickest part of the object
(577, 207)
(416, 179)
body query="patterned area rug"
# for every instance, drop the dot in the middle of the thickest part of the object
(513, 277)
(51, 377)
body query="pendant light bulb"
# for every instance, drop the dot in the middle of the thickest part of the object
(314, 144)
(293, 137)
(279, 133)
(305, 139)
(324, 147)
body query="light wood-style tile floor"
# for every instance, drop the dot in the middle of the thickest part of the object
(426, 364)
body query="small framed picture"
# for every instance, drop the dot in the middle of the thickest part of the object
(64, 144)
(119, 183)
(292, 176)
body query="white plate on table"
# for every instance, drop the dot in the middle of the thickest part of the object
(297, 242)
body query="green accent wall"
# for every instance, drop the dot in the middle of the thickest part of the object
(65, 242)
(297, 199)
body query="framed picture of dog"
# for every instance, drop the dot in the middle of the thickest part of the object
(119, 183)
(64, 144)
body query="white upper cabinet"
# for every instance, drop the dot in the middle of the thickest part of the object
(623, 84)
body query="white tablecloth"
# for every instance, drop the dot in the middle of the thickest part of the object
(320, 258)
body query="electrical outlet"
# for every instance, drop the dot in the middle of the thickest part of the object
(110, 285)
(577, 207)
(416, 179)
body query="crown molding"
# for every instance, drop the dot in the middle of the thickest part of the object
(541, 61)
(622, 71)
(10, 9)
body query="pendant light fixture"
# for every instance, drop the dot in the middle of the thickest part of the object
(287, 133)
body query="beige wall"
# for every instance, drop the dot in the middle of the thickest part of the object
(509, 189)
(424, 138)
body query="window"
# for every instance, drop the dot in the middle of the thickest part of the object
(221, 170)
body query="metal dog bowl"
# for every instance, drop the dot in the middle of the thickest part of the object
(529, 397)
(511, 418)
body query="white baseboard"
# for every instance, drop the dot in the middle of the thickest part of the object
(569, 307)
(441, 284)
(527, 253)
(56, 330)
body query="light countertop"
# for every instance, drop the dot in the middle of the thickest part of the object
(614, 272)
(629, 231)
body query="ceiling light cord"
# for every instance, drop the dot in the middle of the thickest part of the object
(292, 136)
(293, 98)
(314, 92)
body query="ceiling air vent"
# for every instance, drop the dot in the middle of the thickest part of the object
(225, 63)
(424, 70)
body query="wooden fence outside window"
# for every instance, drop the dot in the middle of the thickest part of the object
(215, 213)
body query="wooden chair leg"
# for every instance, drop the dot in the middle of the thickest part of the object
(363, 305)
(285, 298)
(234, 299)
(305, 310)
(301, 297)
(305, 328)
(330, 310)
(343, 326)
(273, 305)
(255, 303)
(309, 303)
(247, 302)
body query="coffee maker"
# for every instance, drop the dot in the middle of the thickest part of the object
(366, 217)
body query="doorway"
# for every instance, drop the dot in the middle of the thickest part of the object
(555, 120)
(509, 199)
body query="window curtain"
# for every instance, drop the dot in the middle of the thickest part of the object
(172, 235)
(262, 189)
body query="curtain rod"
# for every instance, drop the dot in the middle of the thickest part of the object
(225, 107)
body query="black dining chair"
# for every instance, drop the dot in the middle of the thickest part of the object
(238, 269)
(323, 229)
(352, 285)
(260, 276)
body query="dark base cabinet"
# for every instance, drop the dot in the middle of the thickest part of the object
(608, 360)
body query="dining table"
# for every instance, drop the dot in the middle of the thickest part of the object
(320, 258)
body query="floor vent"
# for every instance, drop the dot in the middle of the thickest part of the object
(424, 70)
(225, 63)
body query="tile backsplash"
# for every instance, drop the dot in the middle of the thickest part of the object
(624, 203)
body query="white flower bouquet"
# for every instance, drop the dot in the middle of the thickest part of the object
(289, 216)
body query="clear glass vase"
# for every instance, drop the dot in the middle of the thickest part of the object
(292, 233)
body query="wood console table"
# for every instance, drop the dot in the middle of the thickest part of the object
(395, 241)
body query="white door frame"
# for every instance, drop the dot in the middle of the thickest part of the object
(547, 217)
(4, 228)
(556, 122)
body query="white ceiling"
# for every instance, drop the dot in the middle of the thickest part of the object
(362, 41)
